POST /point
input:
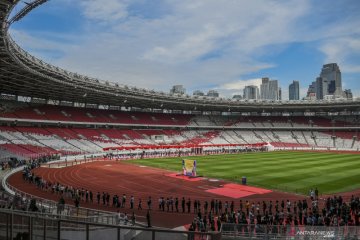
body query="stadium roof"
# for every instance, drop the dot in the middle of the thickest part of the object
(22, 74)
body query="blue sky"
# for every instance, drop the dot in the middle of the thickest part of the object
(213, 44)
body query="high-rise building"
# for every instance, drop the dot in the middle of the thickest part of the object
(212, 93)
(198, 93)
(177, 89)
(269, 89)
(237, 96)
(251, 92)
(322, 88)
(348, 94)
(332, 73)
(311, 93)
(280, 94)
(294, 91)
(329, 82)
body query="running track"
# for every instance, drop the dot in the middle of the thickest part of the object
(141, 182)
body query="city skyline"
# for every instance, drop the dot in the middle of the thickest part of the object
(158, 44)
(327, 86)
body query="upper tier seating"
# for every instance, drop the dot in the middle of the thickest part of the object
(62, 113)
(77, 114)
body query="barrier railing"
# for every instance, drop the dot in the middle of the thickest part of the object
(21, 200)
(258, 231)
(69, 163)
(20, 225)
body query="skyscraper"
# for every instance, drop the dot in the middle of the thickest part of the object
(280, 94)
(311, 93)
(294, 91)
(177, 89)
(212, 93)
(251, 92)
(329, 82)
(269, 89)
(198, 93)
(348, 94)
(322, 88)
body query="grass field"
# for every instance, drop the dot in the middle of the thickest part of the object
(286, 171)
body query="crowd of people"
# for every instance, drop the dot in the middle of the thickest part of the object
(210, 214)
(182, 152)
(31, 163)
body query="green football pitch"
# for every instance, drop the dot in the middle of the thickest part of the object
(285, 171)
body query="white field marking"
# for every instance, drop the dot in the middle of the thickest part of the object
(213, 180)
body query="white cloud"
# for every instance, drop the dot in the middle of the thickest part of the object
(31, 42)
(240, 84)
(339, 50)
(189, 47)
(200, 44)
(236, 87)
(109, 10)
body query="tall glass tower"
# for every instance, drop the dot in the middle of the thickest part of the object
(294, 91)
(331, 74)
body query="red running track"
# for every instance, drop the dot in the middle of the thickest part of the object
(141, 182)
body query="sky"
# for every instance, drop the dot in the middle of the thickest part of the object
(213, 44)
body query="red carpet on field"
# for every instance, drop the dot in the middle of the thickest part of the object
(191, 179)
(237, 191)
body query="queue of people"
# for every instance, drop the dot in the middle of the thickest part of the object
(334, 211)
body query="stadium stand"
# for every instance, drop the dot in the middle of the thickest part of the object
(38, 135)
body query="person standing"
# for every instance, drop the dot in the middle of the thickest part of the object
(139, 204)
(77, 204)
(160, 203)
(206, 207)
(216, 207)
(123, 201)
(218, 223)
(212, 205)
(87, 196)
(132, 202)
(188, 203)
(148, 218)
(91, 196)
(104, 198)
(172, 204)
(107, 199)
(149, 202)
(183, 204)
(247, 206)
(177, 204)
(61, 205)
(133, 219)
(288, 206)
(126, 219)
(98, 197)
(195, 206)
(118, 217)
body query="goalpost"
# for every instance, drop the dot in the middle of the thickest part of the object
(189, 167)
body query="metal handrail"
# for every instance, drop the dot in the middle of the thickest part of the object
(52, 207)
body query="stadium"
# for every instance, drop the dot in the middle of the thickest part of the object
(84, 158)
